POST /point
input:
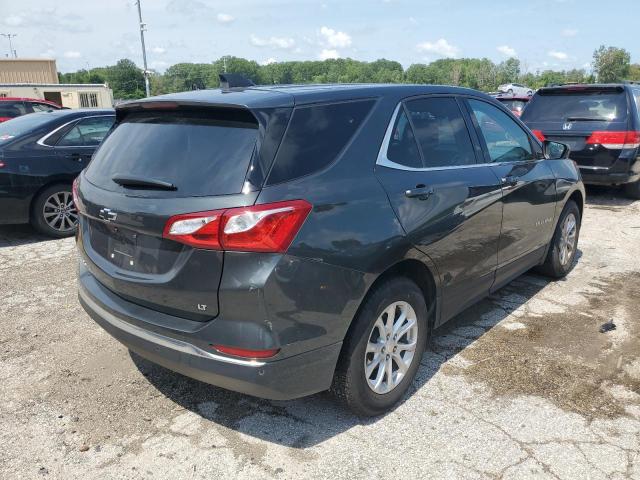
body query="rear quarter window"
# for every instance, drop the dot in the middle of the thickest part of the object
(315, 137)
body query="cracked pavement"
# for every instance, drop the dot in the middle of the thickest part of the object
(520, 386)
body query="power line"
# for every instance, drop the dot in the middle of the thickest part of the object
(11, 50)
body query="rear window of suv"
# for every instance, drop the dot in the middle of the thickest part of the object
(200, 152)
(585, 104)
(315, 137)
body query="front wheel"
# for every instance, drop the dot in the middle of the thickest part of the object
(53, 212)
(632, 190)
(564, 244)
(383, 348)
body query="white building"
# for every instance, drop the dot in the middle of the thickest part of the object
(71, 95)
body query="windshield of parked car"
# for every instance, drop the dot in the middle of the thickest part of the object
(20, 125)
(579, 105)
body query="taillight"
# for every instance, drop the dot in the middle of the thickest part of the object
(539, 135)
(74, 193)
(259, 228)
(245, 353)
(615, 140)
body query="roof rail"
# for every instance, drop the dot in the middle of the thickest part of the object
(234, 80)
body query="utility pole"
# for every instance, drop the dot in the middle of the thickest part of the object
(144, 50)
(11, 50)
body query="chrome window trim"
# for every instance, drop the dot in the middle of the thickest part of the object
(41, 140)
(383, 161)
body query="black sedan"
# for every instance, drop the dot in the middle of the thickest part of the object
(40, 155)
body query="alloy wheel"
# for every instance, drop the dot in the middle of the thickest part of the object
(391, 347)
(568, 239)
(59, 212)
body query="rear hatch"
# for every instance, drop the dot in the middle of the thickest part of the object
(154, 165)
(594, 121)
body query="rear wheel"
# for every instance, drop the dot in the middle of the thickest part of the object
(632, 190)
(510, 91)
(564, 244)
(382, 351)
(53, 212)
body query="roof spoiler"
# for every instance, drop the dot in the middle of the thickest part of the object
(234, 80)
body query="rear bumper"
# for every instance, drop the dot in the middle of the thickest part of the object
(281, 379)
(605, 177)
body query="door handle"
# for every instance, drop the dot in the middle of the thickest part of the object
(422, 192)
(77, 157)
(509, 181)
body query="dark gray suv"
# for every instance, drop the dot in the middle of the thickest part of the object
(281, 241)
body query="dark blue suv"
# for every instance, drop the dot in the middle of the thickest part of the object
(280, 241)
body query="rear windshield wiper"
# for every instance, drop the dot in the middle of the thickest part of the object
(587, 119)
(131, 181)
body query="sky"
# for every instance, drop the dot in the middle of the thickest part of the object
(543, 34)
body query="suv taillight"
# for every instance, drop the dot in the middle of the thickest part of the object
(269, 227)
(74, 194)
(615, 140)
(539, 135)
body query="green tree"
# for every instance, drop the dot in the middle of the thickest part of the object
(126, 80)
(611, 64)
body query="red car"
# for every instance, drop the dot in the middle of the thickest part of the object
(515, 103)
(12, 107)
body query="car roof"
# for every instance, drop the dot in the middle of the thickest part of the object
(524, 98)
(581, 86)
(26, 99)
(272, 96)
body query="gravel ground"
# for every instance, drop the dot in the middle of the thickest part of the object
(520, 386)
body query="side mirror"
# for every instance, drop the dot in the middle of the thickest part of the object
(555, 150)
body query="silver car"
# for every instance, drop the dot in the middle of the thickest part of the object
(515, 89)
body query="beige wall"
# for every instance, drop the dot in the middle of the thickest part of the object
(25, 70)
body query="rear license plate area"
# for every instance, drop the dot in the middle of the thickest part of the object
(121, 247)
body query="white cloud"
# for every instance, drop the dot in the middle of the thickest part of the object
(283, 43)
(71, 54)
(335, 38)
(328, 53)
(569, 32)
(440, 47)
(49, 53)
(159, 50)
(268, 61)
(225, 18)
(558, 55)
(507, 51)
(13, 20)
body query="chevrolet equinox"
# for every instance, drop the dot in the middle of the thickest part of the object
(281, 241)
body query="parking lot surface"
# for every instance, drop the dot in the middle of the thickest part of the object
(522, 385)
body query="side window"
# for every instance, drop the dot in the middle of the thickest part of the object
(315, 137)
(403, 148)
(636, 95)
(87, 133)
(441, 132)
(12, 109)
(505, 140)
(42, 107)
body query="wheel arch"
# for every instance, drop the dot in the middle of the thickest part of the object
(416, 271)
(578, 198)
(49, 183)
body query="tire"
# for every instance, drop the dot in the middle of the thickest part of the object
(350, 384)
(510, 91)
(529, 93)
(632, 190)
(53, 212)
(564, 245)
